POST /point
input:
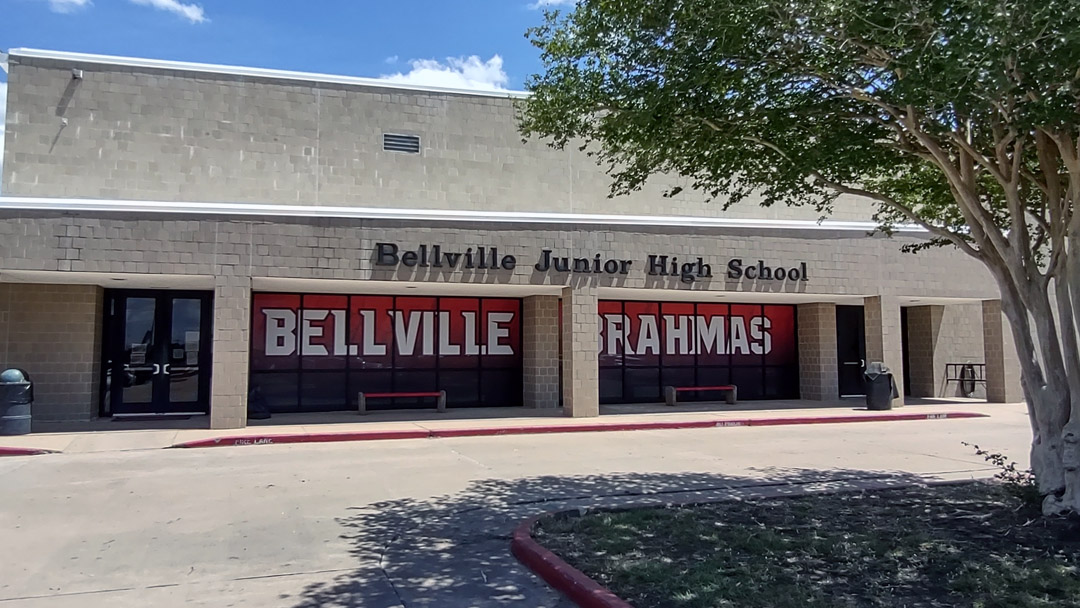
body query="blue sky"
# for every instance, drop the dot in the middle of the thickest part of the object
(458, 43)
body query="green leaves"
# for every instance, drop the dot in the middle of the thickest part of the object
(789, 98)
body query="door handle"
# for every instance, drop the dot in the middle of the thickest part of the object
(166, 371)
(157, 369)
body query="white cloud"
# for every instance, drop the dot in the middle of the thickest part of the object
(67, 6)
(457, 73)
(192, 12)
(3, 123)
(546, 3)
(392, 59)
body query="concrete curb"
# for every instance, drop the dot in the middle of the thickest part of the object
(564, 578)
(271, 439)
(4, 451)
(579, 587)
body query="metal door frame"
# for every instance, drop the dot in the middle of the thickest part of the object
(839, 359)
(111, 340)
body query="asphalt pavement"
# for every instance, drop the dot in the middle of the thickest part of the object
(408, 523)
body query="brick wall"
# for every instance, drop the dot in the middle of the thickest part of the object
(54, 333)
(884, 338)
(540, 343)
(938, 335)
(818, 379)
(581, 376)
(136, 133)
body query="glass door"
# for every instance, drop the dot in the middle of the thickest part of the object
(156, 353)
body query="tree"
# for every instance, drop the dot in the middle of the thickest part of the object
(960, 116)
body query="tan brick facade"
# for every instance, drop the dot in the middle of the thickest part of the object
(884, 338)
(1002, 365)
(818, 378)
(144, 134)
(54, 333)
(540, 341)
(581, 379)
(155, 134)
(937, 336)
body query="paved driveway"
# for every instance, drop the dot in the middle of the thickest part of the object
(421, 523)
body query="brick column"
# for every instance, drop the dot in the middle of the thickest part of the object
(580, 331)
(232, 322)
(540, 344)
(924, 326)
(1002, 364)
(818, 380)
(884, 339)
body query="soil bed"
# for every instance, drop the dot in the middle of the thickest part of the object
(967, 545)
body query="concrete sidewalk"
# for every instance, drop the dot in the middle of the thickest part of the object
(420, 425)
(423, 524)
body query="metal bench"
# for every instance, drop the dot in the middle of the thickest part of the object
(671, 392)
(363, 397)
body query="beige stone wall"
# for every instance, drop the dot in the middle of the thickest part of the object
(229, 379)
(136, 133)
(54, 333)
(818, 375)
(883, 338)
(939, 335)
(837, 263)
(540, 343)
(1002, 363)
(581, 376)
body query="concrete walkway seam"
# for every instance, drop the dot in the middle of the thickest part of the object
(285, 438)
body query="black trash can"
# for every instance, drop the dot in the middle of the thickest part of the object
(880, 387)
(16, 398)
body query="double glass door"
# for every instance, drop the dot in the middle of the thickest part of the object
(157, 353)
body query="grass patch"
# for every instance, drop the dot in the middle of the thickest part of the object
(969, 545)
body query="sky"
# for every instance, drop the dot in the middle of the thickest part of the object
(453, 43)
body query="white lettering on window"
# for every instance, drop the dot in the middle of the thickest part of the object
(280, 332)
(309, 331)
(496, 331)
(762, 340)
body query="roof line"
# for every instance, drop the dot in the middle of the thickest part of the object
(28, 203)
(212, 68)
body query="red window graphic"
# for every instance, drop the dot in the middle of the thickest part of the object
(470, 347)
(644, 346)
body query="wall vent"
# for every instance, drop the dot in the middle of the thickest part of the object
(410, 144)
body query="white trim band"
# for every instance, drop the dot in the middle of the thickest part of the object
(86, 205)
(212, 68)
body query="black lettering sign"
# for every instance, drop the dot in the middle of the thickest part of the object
(488, 258)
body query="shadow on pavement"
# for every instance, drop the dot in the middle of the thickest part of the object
(453, 550)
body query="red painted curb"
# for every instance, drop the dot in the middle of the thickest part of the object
(24, 451)
(268, 439)
(301, 438)
(564, 578)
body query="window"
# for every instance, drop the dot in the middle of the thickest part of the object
(316, 352)
(645, 346)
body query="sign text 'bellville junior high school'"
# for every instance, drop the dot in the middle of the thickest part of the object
(489, 258)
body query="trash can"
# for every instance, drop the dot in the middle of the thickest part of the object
(880, 387)
(16, 398)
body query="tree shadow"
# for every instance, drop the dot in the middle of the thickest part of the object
(454, 550)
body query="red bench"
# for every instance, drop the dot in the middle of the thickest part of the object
(671, 392)
(363, 397)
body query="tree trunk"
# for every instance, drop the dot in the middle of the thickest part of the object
(1066, 287)
(1046, 369)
